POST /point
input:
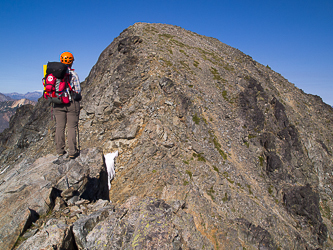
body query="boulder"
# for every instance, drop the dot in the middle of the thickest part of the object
(55, 235)
(29, 189)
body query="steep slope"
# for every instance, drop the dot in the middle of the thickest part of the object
(4, 98)
(8, 109)
(216, 151)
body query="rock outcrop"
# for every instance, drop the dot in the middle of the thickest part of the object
(30, 189)
(216, 151)
(8, 108)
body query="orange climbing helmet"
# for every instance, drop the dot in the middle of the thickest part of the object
(67, 58)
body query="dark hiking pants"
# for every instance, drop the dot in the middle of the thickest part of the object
(66, 114)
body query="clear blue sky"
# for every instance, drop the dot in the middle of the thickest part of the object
(293, 37)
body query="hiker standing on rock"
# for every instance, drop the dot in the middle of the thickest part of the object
(68, 113)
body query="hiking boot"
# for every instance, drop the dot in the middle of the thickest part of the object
(74, 156)
(61, 154)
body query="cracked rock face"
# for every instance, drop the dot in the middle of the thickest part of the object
(140, 224)
(216, 151)
(29, 191)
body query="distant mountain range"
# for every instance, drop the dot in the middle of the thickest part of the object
(10, 102)
(33, 96)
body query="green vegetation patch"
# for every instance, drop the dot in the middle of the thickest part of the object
(226, 175)
(225, 95)
(180, 44)
(196, 119)
(185, 66)
(216, 75)
(210, 56)
(210, 192)
(225, 198)
(250, 191)
(150, 29)
(217, 145)
(199, 157)
(182, 51)
(228, 67)
(163, 36)
(251, 136)
(261, 160)
(196, 64)
(167, 63)
(203, 53)
(189, 173)
(216, 169)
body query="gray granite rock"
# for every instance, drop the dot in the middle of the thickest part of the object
(29, 190)
(56, 236)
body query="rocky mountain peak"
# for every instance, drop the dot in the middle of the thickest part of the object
(4, 98)
(216, 151)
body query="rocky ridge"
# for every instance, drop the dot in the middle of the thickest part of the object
(4, 98)
(216, 151)
(8, 108)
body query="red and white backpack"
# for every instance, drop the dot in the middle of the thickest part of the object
(57, 87)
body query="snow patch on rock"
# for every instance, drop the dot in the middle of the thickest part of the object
(109, 162)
